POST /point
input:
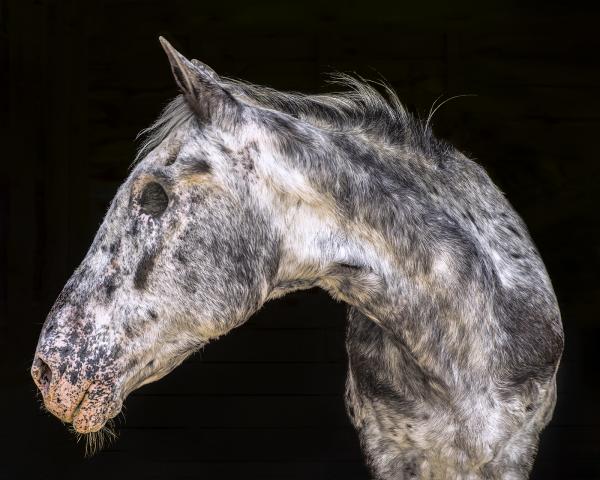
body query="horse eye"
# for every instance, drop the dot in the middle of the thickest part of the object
(154, 200)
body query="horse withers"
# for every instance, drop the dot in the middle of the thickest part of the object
(242, 194)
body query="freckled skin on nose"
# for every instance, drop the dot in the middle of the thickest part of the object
(42, 375)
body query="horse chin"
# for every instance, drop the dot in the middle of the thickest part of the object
(89, 418)
(92, 414)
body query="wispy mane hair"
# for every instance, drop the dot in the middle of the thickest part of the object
(360, 108)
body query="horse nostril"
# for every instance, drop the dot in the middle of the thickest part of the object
(42, 374)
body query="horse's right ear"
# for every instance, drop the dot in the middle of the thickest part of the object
(201, 88)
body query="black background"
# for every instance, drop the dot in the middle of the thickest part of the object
(265, 402)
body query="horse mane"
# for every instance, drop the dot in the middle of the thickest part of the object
(175, 114)
(360, 108)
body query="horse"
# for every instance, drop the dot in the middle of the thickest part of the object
(241, 194)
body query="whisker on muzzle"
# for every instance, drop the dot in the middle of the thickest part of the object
(96, 441)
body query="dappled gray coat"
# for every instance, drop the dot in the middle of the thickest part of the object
(242, 194)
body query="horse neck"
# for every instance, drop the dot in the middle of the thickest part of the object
(329, 223)
(363, 227)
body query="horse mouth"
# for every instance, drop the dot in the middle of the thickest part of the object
(91, 415)
(88, 419)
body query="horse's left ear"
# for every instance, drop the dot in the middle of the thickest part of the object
(200, 86)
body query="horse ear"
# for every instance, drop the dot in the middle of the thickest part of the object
(200, 86)
(203, 67)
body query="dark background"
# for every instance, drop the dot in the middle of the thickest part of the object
(265, 402)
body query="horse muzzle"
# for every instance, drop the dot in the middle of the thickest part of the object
(73, 398)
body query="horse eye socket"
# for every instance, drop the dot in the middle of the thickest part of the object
(154, 200)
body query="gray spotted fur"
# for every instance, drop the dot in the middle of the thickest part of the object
(454, 333)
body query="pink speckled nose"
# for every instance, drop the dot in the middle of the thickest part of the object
(42, 375)
(61, 397)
